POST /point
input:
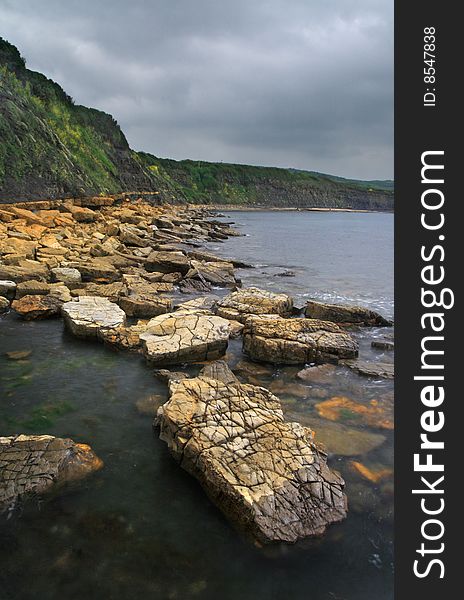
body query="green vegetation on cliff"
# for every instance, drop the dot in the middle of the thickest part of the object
(52, 148)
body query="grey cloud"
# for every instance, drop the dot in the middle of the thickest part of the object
(300, 83)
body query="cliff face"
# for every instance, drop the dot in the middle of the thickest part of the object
(51, 148)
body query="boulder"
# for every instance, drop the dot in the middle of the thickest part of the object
(37, 306)
(144, 305)
(344, 314)
(383, 344)
(264, 473)
(25, 270)
(112, 291)
(32, 287)
(7, 289)
(4, 304)
(219, 274)
(277, 340)
(35, 464)
(167, 262)
(91, 314)
(14, 245)
(185, 336)
(239, 305)
(99, 271)
(67, 275)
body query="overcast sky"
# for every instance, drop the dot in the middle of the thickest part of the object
(292, 83)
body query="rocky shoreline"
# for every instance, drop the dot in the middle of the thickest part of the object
(115, 270)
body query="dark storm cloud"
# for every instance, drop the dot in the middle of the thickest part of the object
(301, 83)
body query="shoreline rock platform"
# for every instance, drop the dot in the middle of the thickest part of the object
(110, 270)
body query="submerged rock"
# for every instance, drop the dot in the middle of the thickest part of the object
(348, 315)
(375, 414)
(185, 336)
(239, 305)
(38, 463)
(372, 369)
(293, 341)
(321, 374)
(261, 471)
(91, 314)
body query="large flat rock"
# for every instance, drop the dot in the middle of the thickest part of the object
(90, 314)
(264, 473)
(268, 338)
(37, 463)
(185, 336)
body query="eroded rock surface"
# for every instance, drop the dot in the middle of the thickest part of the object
(91, 314)
(36, 306)
(185, 336)
(239, 305)
(38, 463)
(265, 474)
(348, 315)
(292, 341)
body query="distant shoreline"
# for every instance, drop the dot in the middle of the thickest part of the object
(234, 207)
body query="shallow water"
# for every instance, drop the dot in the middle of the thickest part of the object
(142, 526)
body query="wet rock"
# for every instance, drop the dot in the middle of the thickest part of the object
(91, 314)
(4, 304)
(185, 336)
(219, 370)
(204, 256)
(383, 345)
(320, 374)
(37, 307)
(293, 341)
(166, 376)
(287, 388)
(262, 472)
(149, 405)
(372, 474)
(193, 286)
(18, 354)
(124, 337)
(340, 408)
(372, 369)
(67, 275)
(167, 262)
(285, 274)
(239, 305)
(344, 314)
(35, 464)
(339, 439)
(7, 289)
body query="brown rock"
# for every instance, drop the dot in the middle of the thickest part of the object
(344, 314)
(37, 307)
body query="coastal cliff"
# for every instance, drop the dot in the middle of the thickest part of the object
(52, 148)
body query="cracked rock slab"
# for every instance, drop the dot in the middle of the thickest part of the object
(268, 338)
(37, 463)
(91, 314)
(264, 473)
(185, 336)
(239, 305)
